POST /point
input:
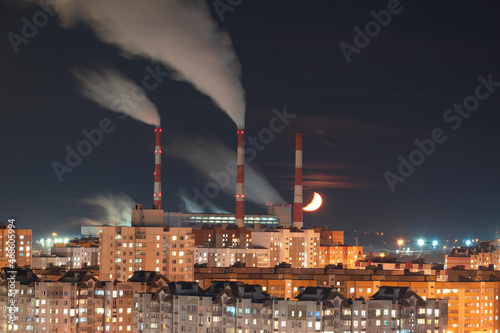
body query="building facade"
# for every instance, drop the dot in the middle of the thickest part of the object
(219, 237)
(147, 302)
(472, 295)
(226, 257)
(23, 246)
(77, 302)
(486, 254)
(123, 250)
(346, 255)
(297, 247)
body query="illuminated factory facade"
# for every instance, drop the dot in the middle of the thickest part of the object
(157, 217)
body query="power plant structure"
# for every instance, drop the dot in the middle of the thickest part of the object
(284, 213)
(240, 180)
(278, 215)
(157, 174)
(298, 220)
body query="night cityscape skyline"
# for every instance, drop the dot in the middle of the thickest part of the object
(249, 167)
(357, 117)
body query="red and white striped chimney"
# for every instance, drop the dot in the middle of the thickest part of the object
(157, 187)
(240, 181)
(298, 221)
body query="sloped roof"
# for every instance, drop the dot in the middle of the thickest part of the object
(183, 288)
(237, 290)
(24, 276)
(318, 294)
(395, 294)
(146, 277)
(78, 277)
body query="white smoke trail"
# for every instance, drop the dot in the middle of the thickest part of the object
(114, 91)
(190, 206)
(179, 33)
(108, 209)
(216, 163)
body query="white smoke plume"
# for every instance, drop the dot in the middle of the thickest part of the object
(217, 164)
(178, 33)
(108, 209)
(114, 91)
(190, 206)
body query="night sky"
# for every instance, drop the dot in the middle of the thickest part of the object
(357, 117)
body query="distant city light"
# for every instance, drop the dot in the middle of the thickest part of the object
(420, 242)
(48, 242)
(400, 242)
(468, 242)
(434, 243)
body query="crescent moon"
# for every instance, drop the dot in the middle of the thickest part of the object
(315, 203)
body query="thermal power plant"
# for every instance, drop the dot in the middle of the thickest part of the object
(277, 215)
(240, 181)
(284, 213)
(298, 221)
(141, 217)
(157, 174)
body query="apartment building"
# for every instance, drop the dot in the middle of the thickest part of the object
(77, 302)
(329, 237)
(391, 264)
(147, 302)
(77, 256)
(24, 288)
(23, 246)
(486, 254)
(226, 257)
(473, 295)
(123, 250)
(317, 247)
(243, 308)
(298, 247)
(223, 237)
(346, 255)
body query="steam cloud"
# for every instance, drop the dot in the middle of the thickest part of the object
(112, 90)
(211, 158)
(179, 33)
(108, 209)
(189, 206)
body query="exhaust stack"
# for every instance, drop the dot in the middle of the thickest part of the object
(157, 174)
(240, 181)
(298, 221)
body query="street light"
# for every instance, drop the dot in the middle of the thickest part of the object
(421, 242)
(400, 242)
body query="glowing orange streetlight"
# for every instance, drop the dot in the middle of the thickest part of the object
(400, 242)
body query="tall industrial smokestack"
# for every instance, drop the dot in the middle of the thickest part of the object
(240, 181)
(157, 187)
(298, 221)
